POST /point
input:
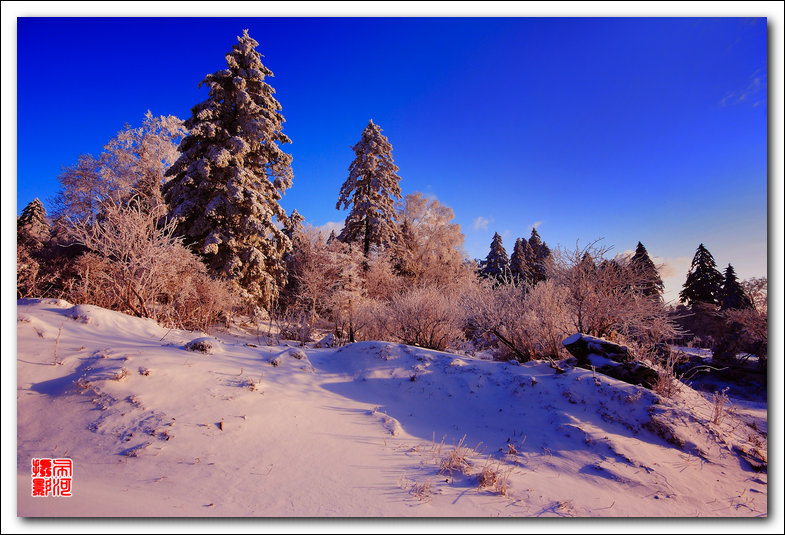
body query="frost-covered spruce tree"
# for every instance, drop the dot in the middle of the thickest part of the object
(225, 187)
(371, 189)
(703, 280)
(497, 264)
(647, 280)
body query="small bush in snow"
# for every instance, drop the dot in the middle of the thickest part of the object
(421, 491)
(122, 374)
(134, 265)
(494, 477)
(202, 345)
(424, 317)
(719, 400)
(456, 461)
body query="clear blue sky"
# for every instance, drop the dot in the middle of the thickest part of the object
(633, 129)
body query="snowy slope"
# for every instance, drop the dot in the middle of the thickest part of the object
(366, 430)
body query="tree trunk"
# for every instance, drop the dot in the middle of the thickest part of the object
(367, 238)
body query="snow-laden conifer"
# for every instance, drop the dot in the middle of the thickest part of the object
(225, 187)
(371, 189)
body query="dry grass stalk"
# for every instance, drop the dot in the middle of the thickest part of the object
(57, 342)
(493, 476)
(421, 491)
(456, 461)
(719, 399)
(122, 374)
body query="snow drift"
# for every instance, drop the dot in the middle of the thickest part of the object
(366, 430)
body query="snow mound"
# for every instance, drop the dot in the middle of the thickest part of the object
(223, 436)
(295, 357)
(327, 341)
(204, 344)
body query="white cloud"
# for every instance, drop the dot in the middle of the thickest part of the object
(757, 82)
(673, 271)
(536, 224)
(626, 255)
(330, 226)
(673, 266)
(480, 223)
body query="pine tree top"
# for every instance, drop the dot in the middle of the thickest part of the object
(703, 282)
(647, 279)
(371, 189)
(732, 295)
(497, 263)
(34, 212)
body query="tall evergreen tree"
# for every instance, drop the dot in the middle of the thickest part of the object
(225, 187)
(371, 189)
(647, 279)
(519, 261)
(497, 263)
(732, 295)
(703, 280)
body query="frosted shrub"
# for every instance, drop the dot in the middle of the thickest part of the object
(425, 317)
(744, 333)
(523, 322)
(135, 266)
(373, 318)
(196, 300)
(380, 279)
(294, 325)
(611, 298)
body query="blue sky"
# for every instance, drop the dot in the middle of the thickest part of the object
(629, 129)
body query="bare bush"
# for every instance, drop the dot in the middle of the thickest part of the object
(719, 399)
(136, 266)
(424, 317)
(528, 322)
(604, 298)
(314, 271)
(744, 333)
(294, 325)
(372, 317)
(666, 379)
(380, 279)
(757, 289)
(496, 478)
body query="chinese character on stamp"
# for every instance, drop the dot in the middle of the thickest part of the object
(52, 477)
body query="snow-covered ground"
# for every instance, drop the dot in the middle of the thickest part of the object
(371, 429)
